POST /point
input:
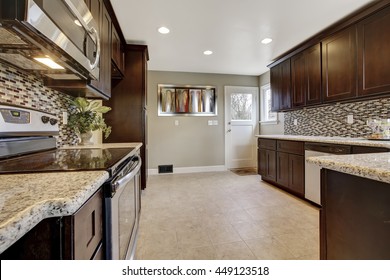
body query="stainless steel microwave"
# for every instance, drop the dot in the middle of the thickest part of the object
(58, 38)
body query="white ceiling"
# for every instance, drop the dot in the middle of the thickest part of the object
(232, 29)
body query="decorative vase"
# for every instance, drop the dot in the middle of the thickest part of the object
(85, 138)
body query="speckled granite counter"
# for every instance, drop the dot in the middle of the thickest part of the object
(372, 166)
(26, 199)
(331, 140)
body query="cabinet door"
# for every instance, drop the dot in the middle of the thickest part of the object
(88, 228)
(282, 169)
(117, 54)
(306, 77)
(296, 174)
(298, 80)
(313, 75)
(374, 54)
(275, 77)
(267, 164)
(281, 86)
(339, 65)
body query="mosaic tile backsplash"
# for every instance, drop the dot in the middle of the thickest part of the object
(22, 89)
(332, 120)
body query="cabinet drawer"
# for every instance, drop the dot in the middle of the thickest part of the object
(269, 144)
(367, 150)
(293, 147)
(88, 227)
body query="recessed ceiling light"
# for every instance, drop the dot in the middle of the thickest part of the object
(266, 41)
(163, 30)
(208, 52)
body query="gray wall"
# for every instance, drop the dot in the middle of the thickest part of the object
(270, 128)
(193, 143)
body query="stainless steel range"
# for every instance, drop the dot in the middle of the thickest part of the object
(28, 144)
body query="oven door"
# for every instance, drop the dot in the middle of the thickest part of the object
(122, 213)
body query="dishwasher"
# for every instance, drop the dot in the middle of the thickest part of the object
(313, 171)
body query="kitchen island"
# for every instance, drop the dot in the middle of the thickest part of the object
(355, 214)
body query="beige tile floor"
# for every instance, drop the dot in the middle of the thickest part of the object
(224, 216)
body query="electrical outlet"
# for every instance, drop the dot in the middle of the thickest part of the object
(209, 122)
(176, 122)
(65, 117)
(350, 119)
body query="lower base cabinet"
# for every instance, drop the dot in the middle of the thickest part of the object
(77, 237)
(282, 163)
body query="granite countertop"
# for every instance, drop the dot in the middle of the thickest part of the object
(331, 140)
(26, 199)
(372, 166)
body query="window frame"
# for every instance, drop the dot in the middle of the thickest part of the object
(265, 106)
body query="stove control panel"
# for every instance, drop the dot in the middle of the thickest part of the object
(17, 121)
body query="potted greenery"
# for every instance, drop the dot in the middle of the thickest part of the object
(86, 117)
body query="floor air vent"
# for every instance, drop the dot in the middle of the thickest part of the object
(165, 168)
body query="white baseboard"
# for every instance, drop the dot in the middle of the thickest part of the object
(194, 169)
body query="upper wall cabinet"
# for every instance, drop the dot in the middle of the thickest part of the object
(346, 62)
(117, 55)
(374, 54)
(339, 65)
(281, 86)
(306, 77)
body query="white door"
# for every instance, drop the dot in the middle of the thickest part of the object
(241, 125)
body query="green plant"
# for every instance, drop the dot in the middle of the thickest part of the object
(85, 116)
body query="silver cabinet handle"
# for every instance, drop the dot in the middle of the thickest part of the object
(91, 30)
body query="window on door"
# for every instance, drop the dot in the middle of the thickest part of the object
(266, 115)
(241, 106)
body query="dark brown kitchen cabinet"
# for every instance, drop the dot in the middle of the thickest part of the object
(128, 117)
(282, 163)
(118, 54)
(339, 58)
(267, 159)
(83, 231)
(368, 150)
(101, 15)
(374, 54)
(281, 86)
(354, 220)
(290, 166)
(77, 237)
(306, 77)
(282, 168)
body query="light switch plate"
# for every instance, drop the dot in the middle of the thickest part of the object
(176, 122)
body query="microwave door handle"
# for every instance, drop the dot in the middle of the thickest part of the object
(123, 180)
(91, 30)
(97, 41)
